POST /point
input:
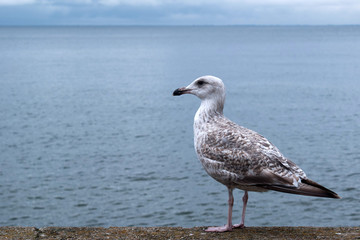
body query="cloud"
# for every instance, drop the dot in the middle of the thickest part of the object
(130, 2)
(178, 12)
(16, 2)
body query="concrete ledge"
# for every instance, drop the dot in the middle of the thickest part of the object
(178, 233)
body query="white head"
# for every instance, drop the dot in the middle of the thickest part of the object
(209, 89)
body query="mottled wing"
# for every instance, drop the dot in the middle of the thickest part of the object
(248, 156)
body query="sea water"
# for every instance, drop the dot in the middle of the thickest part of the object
(90, 134)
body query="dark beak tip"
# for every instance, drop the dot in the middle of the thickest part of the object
(178, 92)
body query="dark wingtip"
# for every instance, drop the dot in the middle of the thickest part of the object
(332, 194)
(337, 196)
(307, 187)
(326, 192)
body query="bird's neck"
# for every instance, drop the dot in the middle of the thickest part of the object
(208, 109)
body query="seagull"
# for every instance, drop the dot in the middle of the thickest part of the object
(239, 157)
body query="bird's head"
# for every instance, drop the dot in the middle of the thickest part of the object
(210, 90)
(206, 87)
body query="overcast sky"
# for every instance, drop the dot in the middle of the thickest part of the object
(178, 12)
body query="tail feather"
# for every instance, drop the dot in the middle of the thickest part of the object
(307, 187)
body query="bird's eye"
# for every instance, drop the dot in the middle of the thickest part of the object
(201, 82)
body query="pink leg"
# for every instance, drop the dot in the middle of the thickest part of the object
(242, 224)
(228, 226)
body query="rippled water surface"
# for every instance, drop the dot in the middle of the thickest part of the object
(90, 134)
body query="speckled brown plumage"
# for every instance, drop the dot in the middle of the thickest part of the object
(241, 158)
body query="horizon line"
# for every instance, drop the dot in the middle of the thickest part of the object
(176, 25)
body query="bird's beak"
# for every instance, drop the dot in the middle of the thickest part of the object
(181, 91)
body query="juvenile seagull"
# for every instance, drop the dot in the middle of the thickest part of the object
(239, 157)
